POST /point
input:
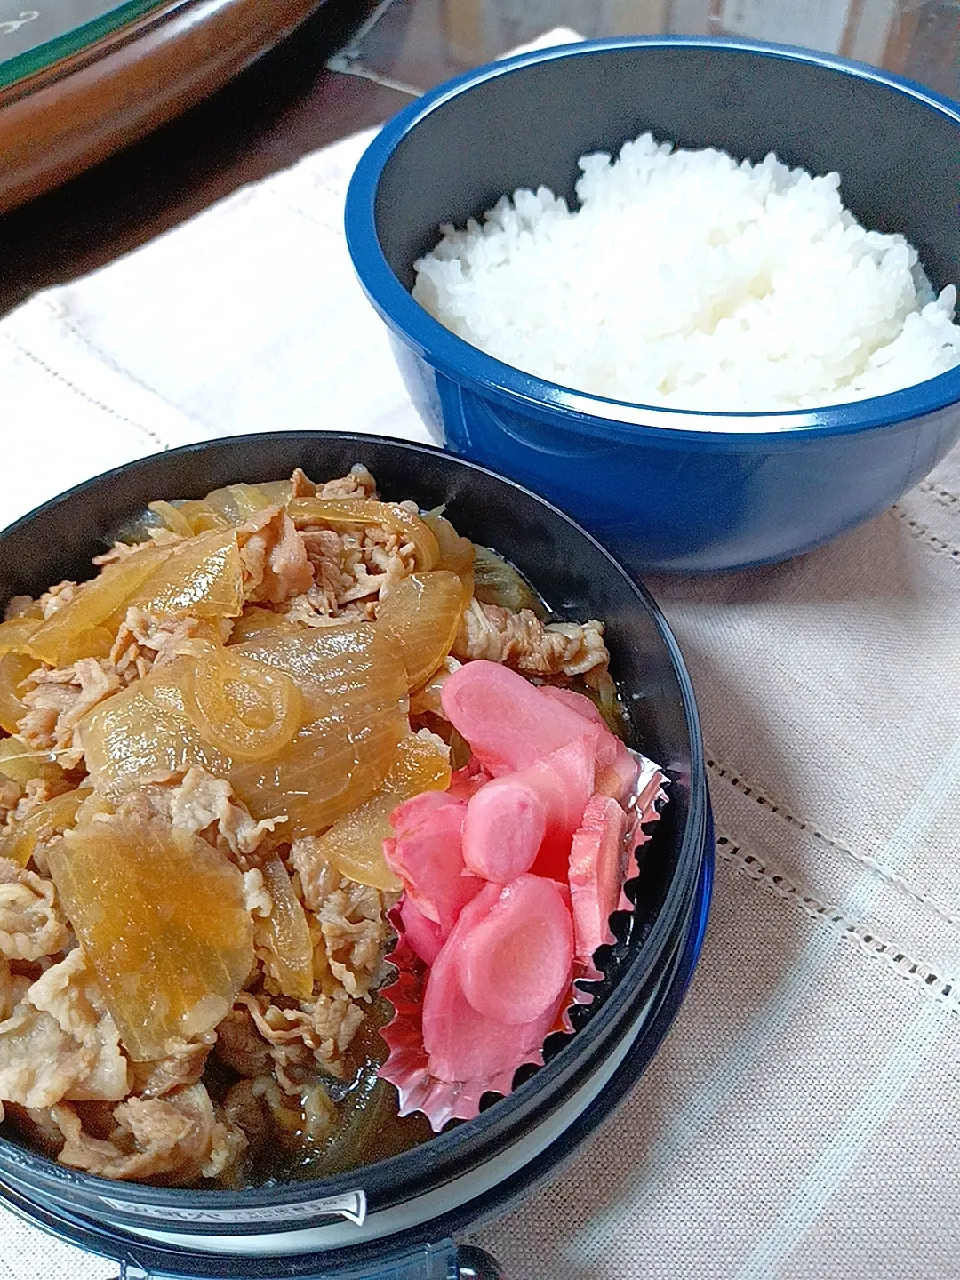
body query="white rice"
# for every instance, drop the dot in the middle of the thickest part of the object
(688, 279)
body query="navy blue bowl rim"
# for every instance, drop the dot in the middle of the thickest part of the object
(598, 415)
(450, 1143)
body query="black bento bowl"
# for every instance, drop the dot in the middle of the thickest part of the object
(354, 1224)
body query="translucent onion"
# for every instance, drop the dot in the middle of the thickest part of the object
(498, 582)
(20, 841)
(201, 576)
(14, 669)
(95, 642)
(255, 622)
(16, 634)
(287, 934)
(162, 918)
(353, 690)
(354, 845)
(143, 735)
(22, 763)
(77, 629)
(277, 492)
(353, 715)
(196, 515)
(456, 553)
(238, 502)
(338, 513)
(222, 509)
(246, 710)
(173, 518)
(423, 613)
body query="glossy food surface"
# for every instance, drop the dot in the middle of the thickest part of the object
(197, 811)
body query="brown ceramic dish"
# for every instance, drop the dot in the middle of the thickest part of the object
(75, 98)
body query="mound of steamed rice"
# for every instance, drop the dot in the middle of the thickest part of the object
(688, 279)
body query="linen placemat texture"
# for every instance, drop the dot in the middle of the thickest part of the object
(802, 1119)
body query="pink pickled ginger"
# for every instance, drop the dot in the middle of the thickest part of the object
(510, 880)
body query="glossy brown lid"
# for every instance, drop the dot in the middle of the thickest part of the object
(65, 107)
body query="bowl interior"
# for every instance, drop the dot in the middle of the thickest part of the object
(899, 159)
(574, 574)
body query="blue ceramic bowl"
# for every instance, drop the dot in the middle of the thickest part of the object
(665, 489)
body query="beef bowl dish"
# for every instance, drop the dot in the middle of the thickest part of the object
(354, 831)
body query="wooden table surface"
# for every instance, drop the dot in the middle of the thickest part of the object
(357, 62)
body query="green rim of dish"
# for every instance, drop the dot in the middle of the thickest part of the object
(53, 51)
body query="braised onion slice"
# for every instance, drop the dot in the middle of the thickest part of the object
(256, 621)
(245, 709)
(338, 513)
(14, 669)
(423, 612)
(353, 690)
(77, 629)
(456, 553)
(173, 518)
(16, 634)
(497, 582)
(276, 492)
(162, 918)
(22, 763)
(201, 576)
(142, 735)
(238, 502)
(289, 947)
(354, 845)
(353, 699)
(188, 518)
(20, 841)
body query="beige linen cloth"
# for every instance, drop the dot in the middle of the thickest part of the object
(802, 1119)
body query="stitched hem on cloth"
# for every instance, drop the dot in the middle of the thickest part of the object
(64, 318)
(733, 778)
(84, 395)
(919, 974)
(923, 534)
(942, 495)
